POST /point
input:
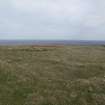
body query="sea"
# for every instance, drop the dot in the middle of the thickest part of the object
(52, 42)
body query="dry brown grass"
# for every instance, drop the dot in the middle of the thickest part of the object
(52, 75)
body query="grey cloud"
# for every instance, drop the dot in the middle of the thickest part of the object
(69, 19)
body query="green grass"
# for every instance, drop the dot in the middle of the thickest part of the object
(52, 75)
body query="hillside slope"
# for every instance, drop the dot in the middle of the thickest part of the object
(52, 75)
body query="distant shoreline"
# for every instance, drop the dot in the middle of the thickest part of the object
(52, 42)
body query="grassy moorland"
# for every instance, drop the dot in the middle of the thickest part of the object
(52, 75)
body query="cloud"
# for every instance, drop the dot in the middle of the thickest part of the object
(52, 19)
(52, 7)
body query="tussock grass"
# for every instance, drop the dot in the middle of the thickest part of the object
(52, 75)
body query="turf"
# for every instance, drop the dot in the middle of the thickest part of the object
(52, 75)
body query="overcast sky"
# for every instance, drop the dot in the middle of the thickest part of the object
(52, 19)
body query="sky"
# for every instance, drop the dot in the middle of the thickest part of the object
(52, 19)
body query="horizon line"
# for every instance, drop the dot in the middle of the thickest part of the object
(51, 40)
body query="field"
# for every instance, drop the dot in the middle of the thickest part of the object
(52, 75)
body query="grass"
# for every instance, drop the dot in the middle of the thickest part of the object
(52, 75)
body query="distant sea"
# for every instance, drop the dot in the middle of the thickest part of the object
(51, 42)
